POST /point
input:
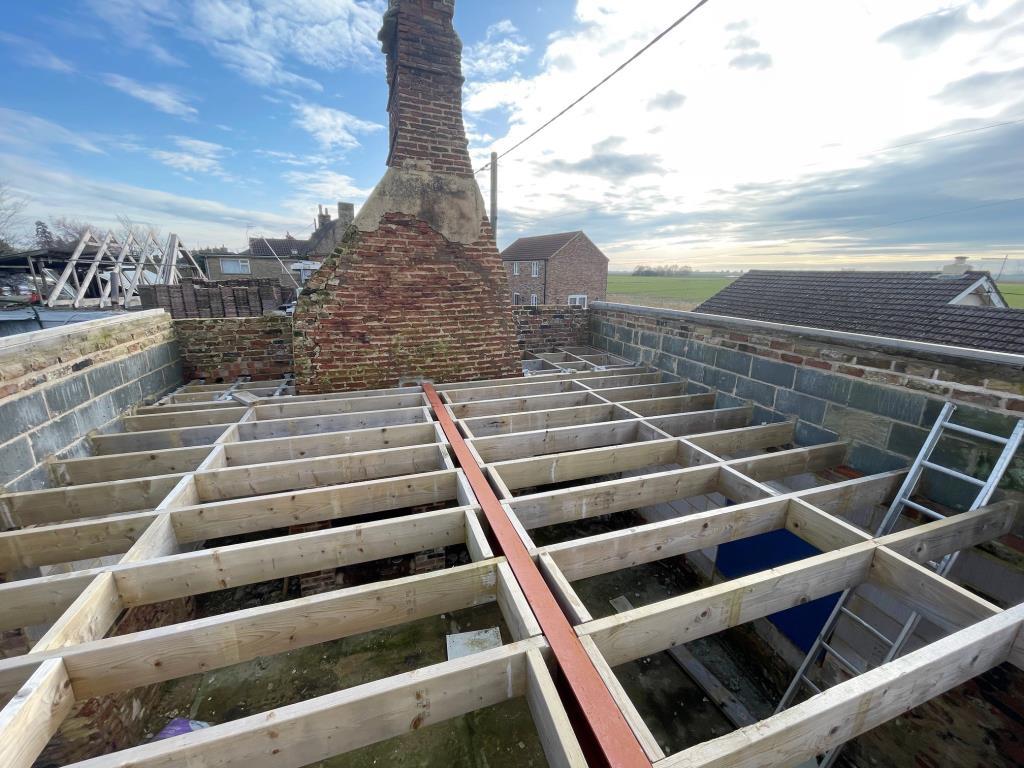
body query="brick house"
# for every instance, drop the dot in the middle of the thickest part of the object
(565, 268)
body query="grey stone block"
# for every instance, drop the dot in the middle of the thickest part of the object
(35, 480)
(804, 407)
(624, 334)
(757, 391)
(827, 386)
(906, 440)
(66, 395)
(674, 345)
(721, 380)
(809, 434)
(701, 353)
(97, 413)
(650, 339)
(731, 360)
(614, 347)
(851, 424)
(15, 459)
(773, 372)
(692, 370)
(105, 378)
(693, 388)
(723, 400)
(56, 436)
(664, 362)
(20, 414)
(765, 416)
(887, 401)
(871, 460)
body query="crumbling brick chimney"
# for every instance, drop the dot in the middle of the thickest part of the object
(417, 288)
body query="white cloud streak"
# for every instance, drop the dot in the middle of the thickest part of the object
(165, 98)
(332, 128)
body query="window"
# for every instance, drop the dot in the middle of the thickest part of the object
(234, 266)
(578, 300)
(517, 299)
(535, 272)
(533, 299)
(515, 267)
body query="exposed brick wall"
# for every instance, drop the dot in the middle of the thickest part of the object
(525, 283)
(224, 348)
(117, 721)
(424, 73)
(540, 329)
(224, 298)
(399, 300)
(58, 384)
(579, 267)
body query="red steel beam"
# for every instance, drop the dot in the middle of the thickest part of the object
(618, 745)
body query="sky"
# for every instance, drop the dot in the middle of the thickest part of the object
(876, 134)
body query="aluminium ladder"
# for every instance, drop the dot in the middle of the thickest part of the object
(942, 567)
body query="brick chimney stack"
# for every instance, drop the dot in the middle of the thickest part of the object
(424, 69)
(416, 290)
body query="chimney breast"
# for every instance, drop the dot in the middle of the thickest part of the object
(346, 213)
(424, 70)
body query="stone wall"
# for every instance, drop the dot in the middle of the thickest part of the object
(222, 349)
(58, 384)
(542, 328)
(883, 401)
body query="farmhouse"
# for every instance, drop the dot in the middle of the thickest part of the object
(565, 268)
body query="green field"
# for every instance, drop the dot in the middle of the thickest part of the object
(688, 292)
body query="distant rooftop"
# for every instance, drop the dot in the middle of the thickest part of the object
(964, 310)
(538, 248)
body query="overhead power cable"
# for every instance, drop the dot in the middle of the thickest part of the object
(608, 77)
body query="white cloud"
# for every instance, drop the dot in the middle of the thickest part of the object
(681, 182)
(194, 156)
(260, 40)
(500, 50)
(31, 134)
(165, 98)
(35, 54)
(332, 128)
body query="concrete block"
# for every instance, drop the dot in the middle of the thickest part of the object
(809, 434)
(35, 480)
(20, 414)
(623, 334)
(105, 378)
(15, 459)
(614, 347)
(664, 362)
(827, 386)
(887, 401)
(804, 407)
(700, 352)
(66, 395)
(55, 436)
(765, 416)
(97, 413)
(721, 380)
(779, 374)
(852, 424)
(693, 388)
(757, 391)
(674, 345)
(724, 400)
(650, 339)
(871, 460)
(906, 440)
(692, 370)
(731, 360)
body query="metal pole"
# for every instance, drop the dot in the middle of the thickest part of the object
(494, 195)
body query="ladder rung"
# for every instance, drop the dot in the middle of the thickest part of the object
(867, 626)
(842, 659)
(954, 473)
(924, 510)
(974, 433)
(807, 681)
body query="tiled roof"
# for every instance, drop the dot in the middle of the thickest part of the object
(538, 248)
(903, 305)
(283, 246)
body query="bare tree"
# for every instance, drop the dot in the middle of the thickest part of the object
(69, 231)
(140, 230)
(11, 208)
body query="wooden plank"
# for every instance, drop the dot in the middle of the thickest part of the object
(237, 516)
(329, 444)
(604, 498)
(553, 726)
(79, 540)
(296, 474)
(568, 600)
(679, 620)
(304, 733)
(124, 466)
(506, 406)
(506, 391)
(290, 410)
(697, 422)
(155, 440)
(643, 391)
(199, 418)
(593, 462)
(797, 461)
(57, 505)
(337, 422)
(729, 442)
(514, 608)
(510, 423)
(664, 406)
(820, 529)
(555, 440)
(90, 616)
(933, 540)
(34, 714)
(28, 602)
(857, 705)
(628, 548)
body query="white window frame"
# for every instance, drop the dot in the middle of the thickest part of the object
(533, 300)
(244, 267)
(535, 269)
(515, 267)
(578, 300)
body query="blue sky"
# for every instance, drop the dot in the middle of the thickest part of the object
(799, 133)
